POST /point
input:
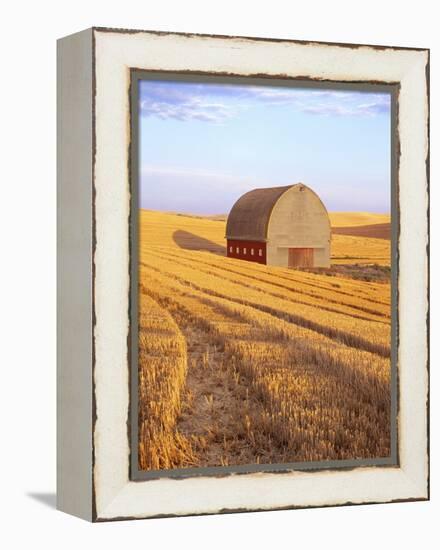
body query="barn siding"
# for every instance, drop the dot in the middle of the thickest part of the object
(248, 245)
(298, 220)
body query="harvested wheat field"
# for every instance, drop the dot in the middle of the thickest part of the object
(242, 363)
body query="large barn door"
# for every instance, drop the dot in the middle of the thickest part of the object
(300, 257)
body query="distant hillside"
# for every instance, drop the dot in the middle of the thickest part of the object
(352, 219)
(337, 219)
(355, 224)
(361, 224)
(165, 229)
(374, 231)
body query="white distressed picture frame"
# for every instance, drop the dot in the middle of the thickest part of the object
(94, 274)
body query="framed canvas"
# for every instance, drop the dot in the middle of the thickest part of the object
(243, 246)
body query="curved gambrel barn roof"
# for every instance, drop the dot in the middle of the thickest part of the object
(249, 217)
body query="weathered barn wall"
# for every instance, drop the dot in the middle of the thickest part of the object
(242, 249)
(298, 220)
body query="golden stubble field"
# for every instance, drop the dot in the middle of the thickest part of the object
(241, 363)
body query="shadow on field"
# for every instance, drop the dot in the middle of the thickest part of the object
(189, 241)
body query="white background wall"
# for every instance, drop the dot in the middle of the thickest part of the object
(27, 290)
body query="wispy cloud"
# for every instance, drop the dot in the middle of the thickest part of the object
(169, 100)
(326, 102)
(216, 103)
(372, 108)
(189, 109)
(151, 170)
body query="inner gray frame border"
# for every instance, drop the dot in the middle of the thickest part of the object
(137, 75)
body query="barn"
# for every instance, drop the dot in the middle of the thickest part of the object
(281, 226)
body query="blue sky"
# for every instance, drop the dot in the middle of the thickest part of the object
(203, 145)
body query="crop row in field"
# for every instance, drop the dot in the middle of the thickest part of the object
(162, 375)
(237, 271)
(368, 335)
(321, 400)
(345, 291)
